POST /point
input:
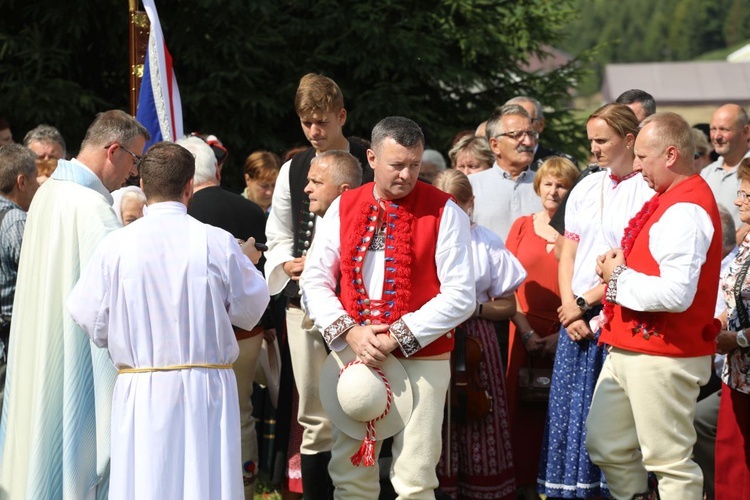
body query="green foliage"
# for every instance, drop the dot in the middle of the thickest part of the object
(444, 63)
(654, 30)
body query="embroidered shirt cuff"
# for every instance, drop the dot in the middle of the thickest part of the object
(406, 340)
(612, 287)
(342, 325)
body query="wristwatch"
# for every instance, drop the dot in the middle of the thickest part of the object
(582, 304)
(741, 339)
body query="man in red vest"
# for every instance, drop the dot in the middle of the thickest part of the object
(661, 293)
(391, 272)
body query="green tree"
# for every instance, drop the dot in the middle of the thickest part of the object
(654, 30)
(444, 63)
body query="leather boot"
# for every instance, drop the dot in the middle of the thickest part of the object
(316, 482)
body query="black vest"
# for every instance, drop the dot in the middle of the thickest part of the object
(303, 221)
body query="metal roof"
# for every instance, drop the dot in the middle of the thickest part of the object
(681, 83)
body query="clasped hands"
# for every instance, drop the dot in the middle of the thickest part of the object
(542, 346)
(372, 349)
(607, 262)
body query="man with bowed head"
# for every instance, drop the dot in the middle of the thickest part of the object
(660, 299)
(162, 295)
(319, 103)
(362, 298)
(55, 431)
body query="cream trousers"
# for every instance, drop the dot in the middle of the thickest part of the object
(416, 449)
(308, 353)
(641, 419)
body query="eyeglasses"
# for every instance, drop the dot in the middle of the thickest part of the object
(517, 135)
(136, 158)
(742, 196)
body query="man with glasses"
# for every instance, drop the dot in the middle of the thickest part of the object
(730, 132)
(506, 191)
(56, 418)
(536, 112)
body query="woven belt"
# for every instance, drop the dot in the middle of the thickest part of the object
(172, 368)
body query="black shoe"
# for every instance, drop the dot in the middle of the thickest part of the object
(316, 483)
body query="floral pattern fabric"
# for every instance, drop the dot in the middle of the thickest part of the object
(736, 372)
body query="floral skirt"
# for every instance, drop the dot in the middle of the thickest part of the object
(481, 464)
(565, 469)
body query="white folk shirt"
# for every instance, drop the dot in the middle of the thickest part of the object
(165, 291)
(678, 242)
(598, 211)
(497, 271)
(279, 233)
(442, 313)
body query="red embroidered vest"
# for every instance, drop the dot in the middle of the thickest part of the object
(410, 278)
(691, 332)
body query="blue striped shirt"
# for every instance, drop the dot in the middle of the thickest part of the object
(11, 234)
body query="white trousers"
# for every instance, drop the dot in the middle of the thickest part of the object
(641, 419)
(308, 353)
(416, 449)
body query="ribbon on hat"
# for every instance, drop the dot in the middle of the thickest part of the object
(366, 453)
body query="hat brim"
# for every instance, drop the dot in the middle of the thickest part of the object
(401, 405)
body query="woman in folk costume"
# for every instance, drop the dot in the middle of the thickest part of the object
(598, 210)
(480, 463)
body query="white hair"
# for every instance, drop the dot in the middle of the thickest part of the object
(434, 157)
(122, 194)
(205, 160)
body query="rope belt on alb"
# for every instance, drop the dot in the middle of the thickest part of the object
(172, 368)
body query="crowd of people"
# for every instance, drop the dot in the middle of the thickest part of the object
(368, 320)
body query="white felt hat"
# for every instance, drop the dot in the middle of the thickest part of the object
(354, 395)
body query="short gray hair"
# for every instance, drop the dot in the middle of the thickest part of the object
(44, 133)
(111, 127)
(433, 156)
(205, 160)
(537, 105)
(494, 128)
(345, 168)
(15, 160)
(402, 130)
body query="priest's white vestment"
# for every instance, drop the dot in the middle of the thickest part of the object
(164, 292)
(55, 430)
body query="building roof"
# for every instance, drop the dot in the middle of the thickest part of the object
(681, 83)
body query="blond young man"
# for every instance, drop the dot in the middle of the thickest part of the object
(319, 104)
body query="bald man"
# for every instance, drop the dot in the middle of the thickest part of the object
(730, 133)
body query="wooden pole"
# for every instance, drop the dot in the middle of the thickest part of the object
(138, 31)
